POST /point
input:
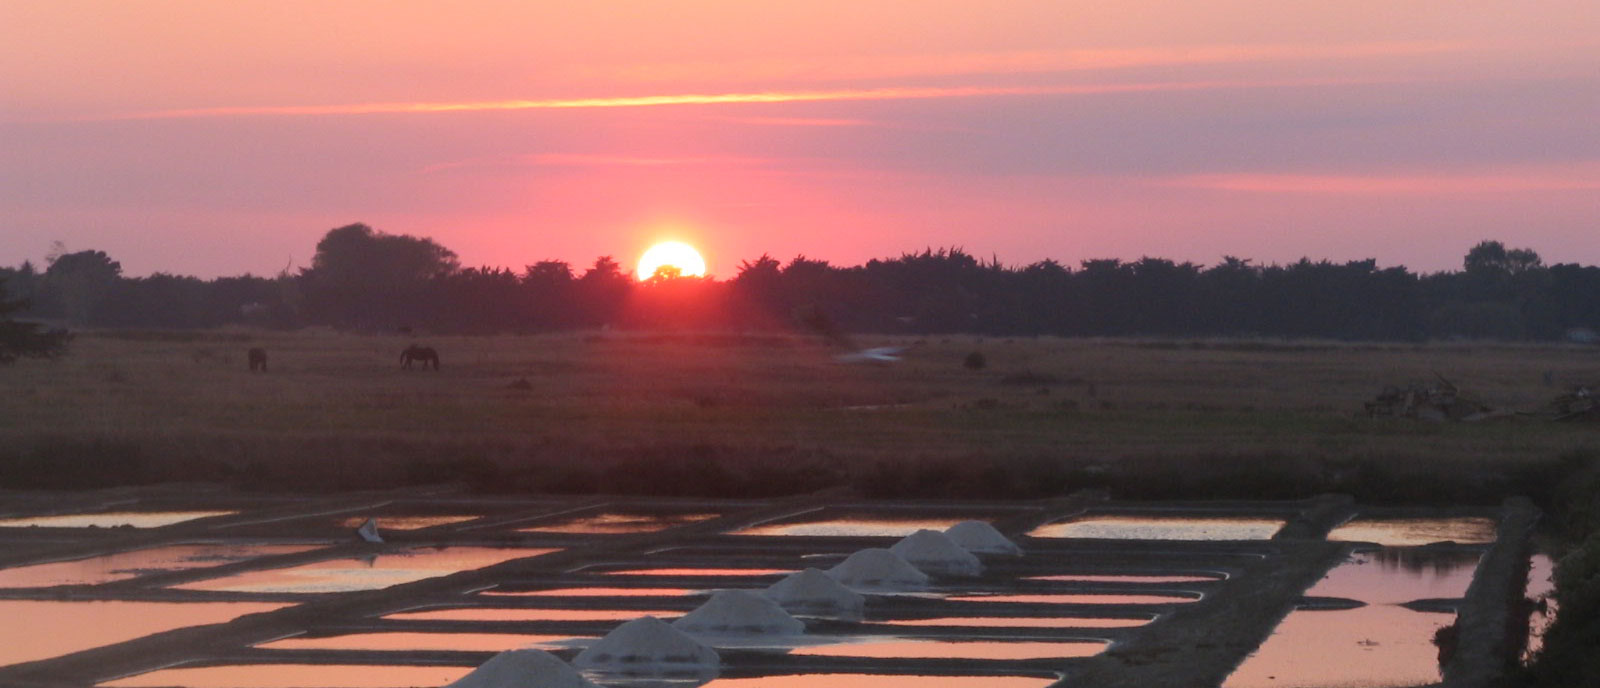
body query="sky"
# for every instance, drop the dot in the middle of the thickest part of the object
(223, 138)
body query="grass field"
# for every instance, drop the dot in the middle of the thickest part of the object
(768, 414)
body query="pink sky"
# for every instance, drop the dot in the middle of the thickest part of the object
(217, 138)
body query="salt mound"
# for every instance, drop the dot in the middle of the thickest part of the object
(739, 612)
(649, 647)
(812, 593)
(527, 668)
(979, 537)
(368, 531)
(934, 552)
(878, 569)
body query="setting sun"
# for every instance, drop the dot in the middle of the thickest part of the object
(674, 254)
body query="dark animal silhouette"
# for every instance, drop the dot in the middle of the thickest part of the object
(258, 360)
(419, 354)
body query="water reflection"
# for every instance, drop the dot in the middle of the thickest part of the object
(1024, 622)
(696, 572)
(124, 565)
(1378, 646)
(367, 573)
(408, 522)
(880, 681)
(1541, 583)
(1411, 532)
(1079, 598)
(961, 649)
(614, 523)
(1117, 578)
(1161, 528)
(511, 614)
(594, 592)
(853, 527)
(112, 519)
(294, 676)
(1397, 576)
(40, 630)
(407, 641)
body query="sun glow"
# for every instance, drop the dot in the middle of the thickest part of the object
(674, 254)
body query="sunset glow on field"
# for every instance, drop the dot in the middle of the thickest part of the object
(519, 132)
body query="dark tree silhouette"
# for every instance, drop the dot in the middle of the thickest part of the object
(25, 339)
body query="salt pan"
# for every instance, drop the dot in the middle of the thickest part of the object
(649, 647)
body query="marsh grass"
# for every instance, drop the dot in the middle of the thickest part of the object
(740, 414)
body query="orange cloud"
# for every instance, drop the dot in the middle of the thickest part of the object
(886, 93)
(592, 160)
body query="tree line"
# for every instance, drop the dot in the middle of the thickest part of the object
(367, 280)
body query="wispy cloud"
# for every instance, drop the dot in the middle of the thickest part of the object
(1579, 178)
(595, 160)
(887, 93)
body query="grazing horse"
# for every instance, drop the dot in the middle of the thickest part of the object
(258, 360)
(420, 354)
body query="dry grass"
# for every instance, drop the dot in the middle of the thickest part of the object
(755, 410)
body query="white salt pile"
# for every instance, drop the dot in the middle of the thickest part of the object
(935, 553)
(739, 612)
(979, 537)
(812, 593)
(649, 647)
(368, 532)
(523, 668)
(878, 569)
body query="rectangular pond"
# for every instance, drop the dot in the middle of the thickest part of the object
(36, 629)
(1128, 527)
(111, 519)
(294, 676)
(618, 523)
(365, 573)
(407, 641)
(124, 565)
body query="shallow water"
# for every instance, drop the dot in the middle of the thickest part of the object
(1540, 585)
(1023, 622)
(112, 519)
(880, 681)
(1411, 532)
(1397, 576)
(41, 629)
(1161, 528)
(900, 648)
(1116, 578)
(1380, 646)
(125, 565)
(294, 676)
(408, 522)
(1077, 598)
(617, 523)
(697, 572)
(371, 573)
(510, 614)
(595, 592)
(412, 641)
(852, 527)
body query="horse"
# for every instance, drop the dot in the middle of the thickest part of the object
(258, 360)
(420, 354)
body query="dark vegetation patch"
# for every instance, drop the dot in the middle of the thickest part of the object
(1569, 656)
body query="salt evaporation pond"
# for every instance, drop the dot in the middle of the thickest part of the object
(1119, 578)
(1540, 584)
(370, 573)
(294, 676)
(125, 565)
(1116, 527)
(1380, 645)
(412, 642)
(1411, 532)
(687, 572)
(408, 522)
(43, 629)
(112, 519)
(527, 614)
(593, 592)
(880, 681)
(618, 523)
(900, 648)
(1023, 621)
(852, 527)
(1079, 598)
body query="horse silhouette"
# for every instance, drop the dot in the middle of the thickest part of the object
(258, 360)
(419, 354)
